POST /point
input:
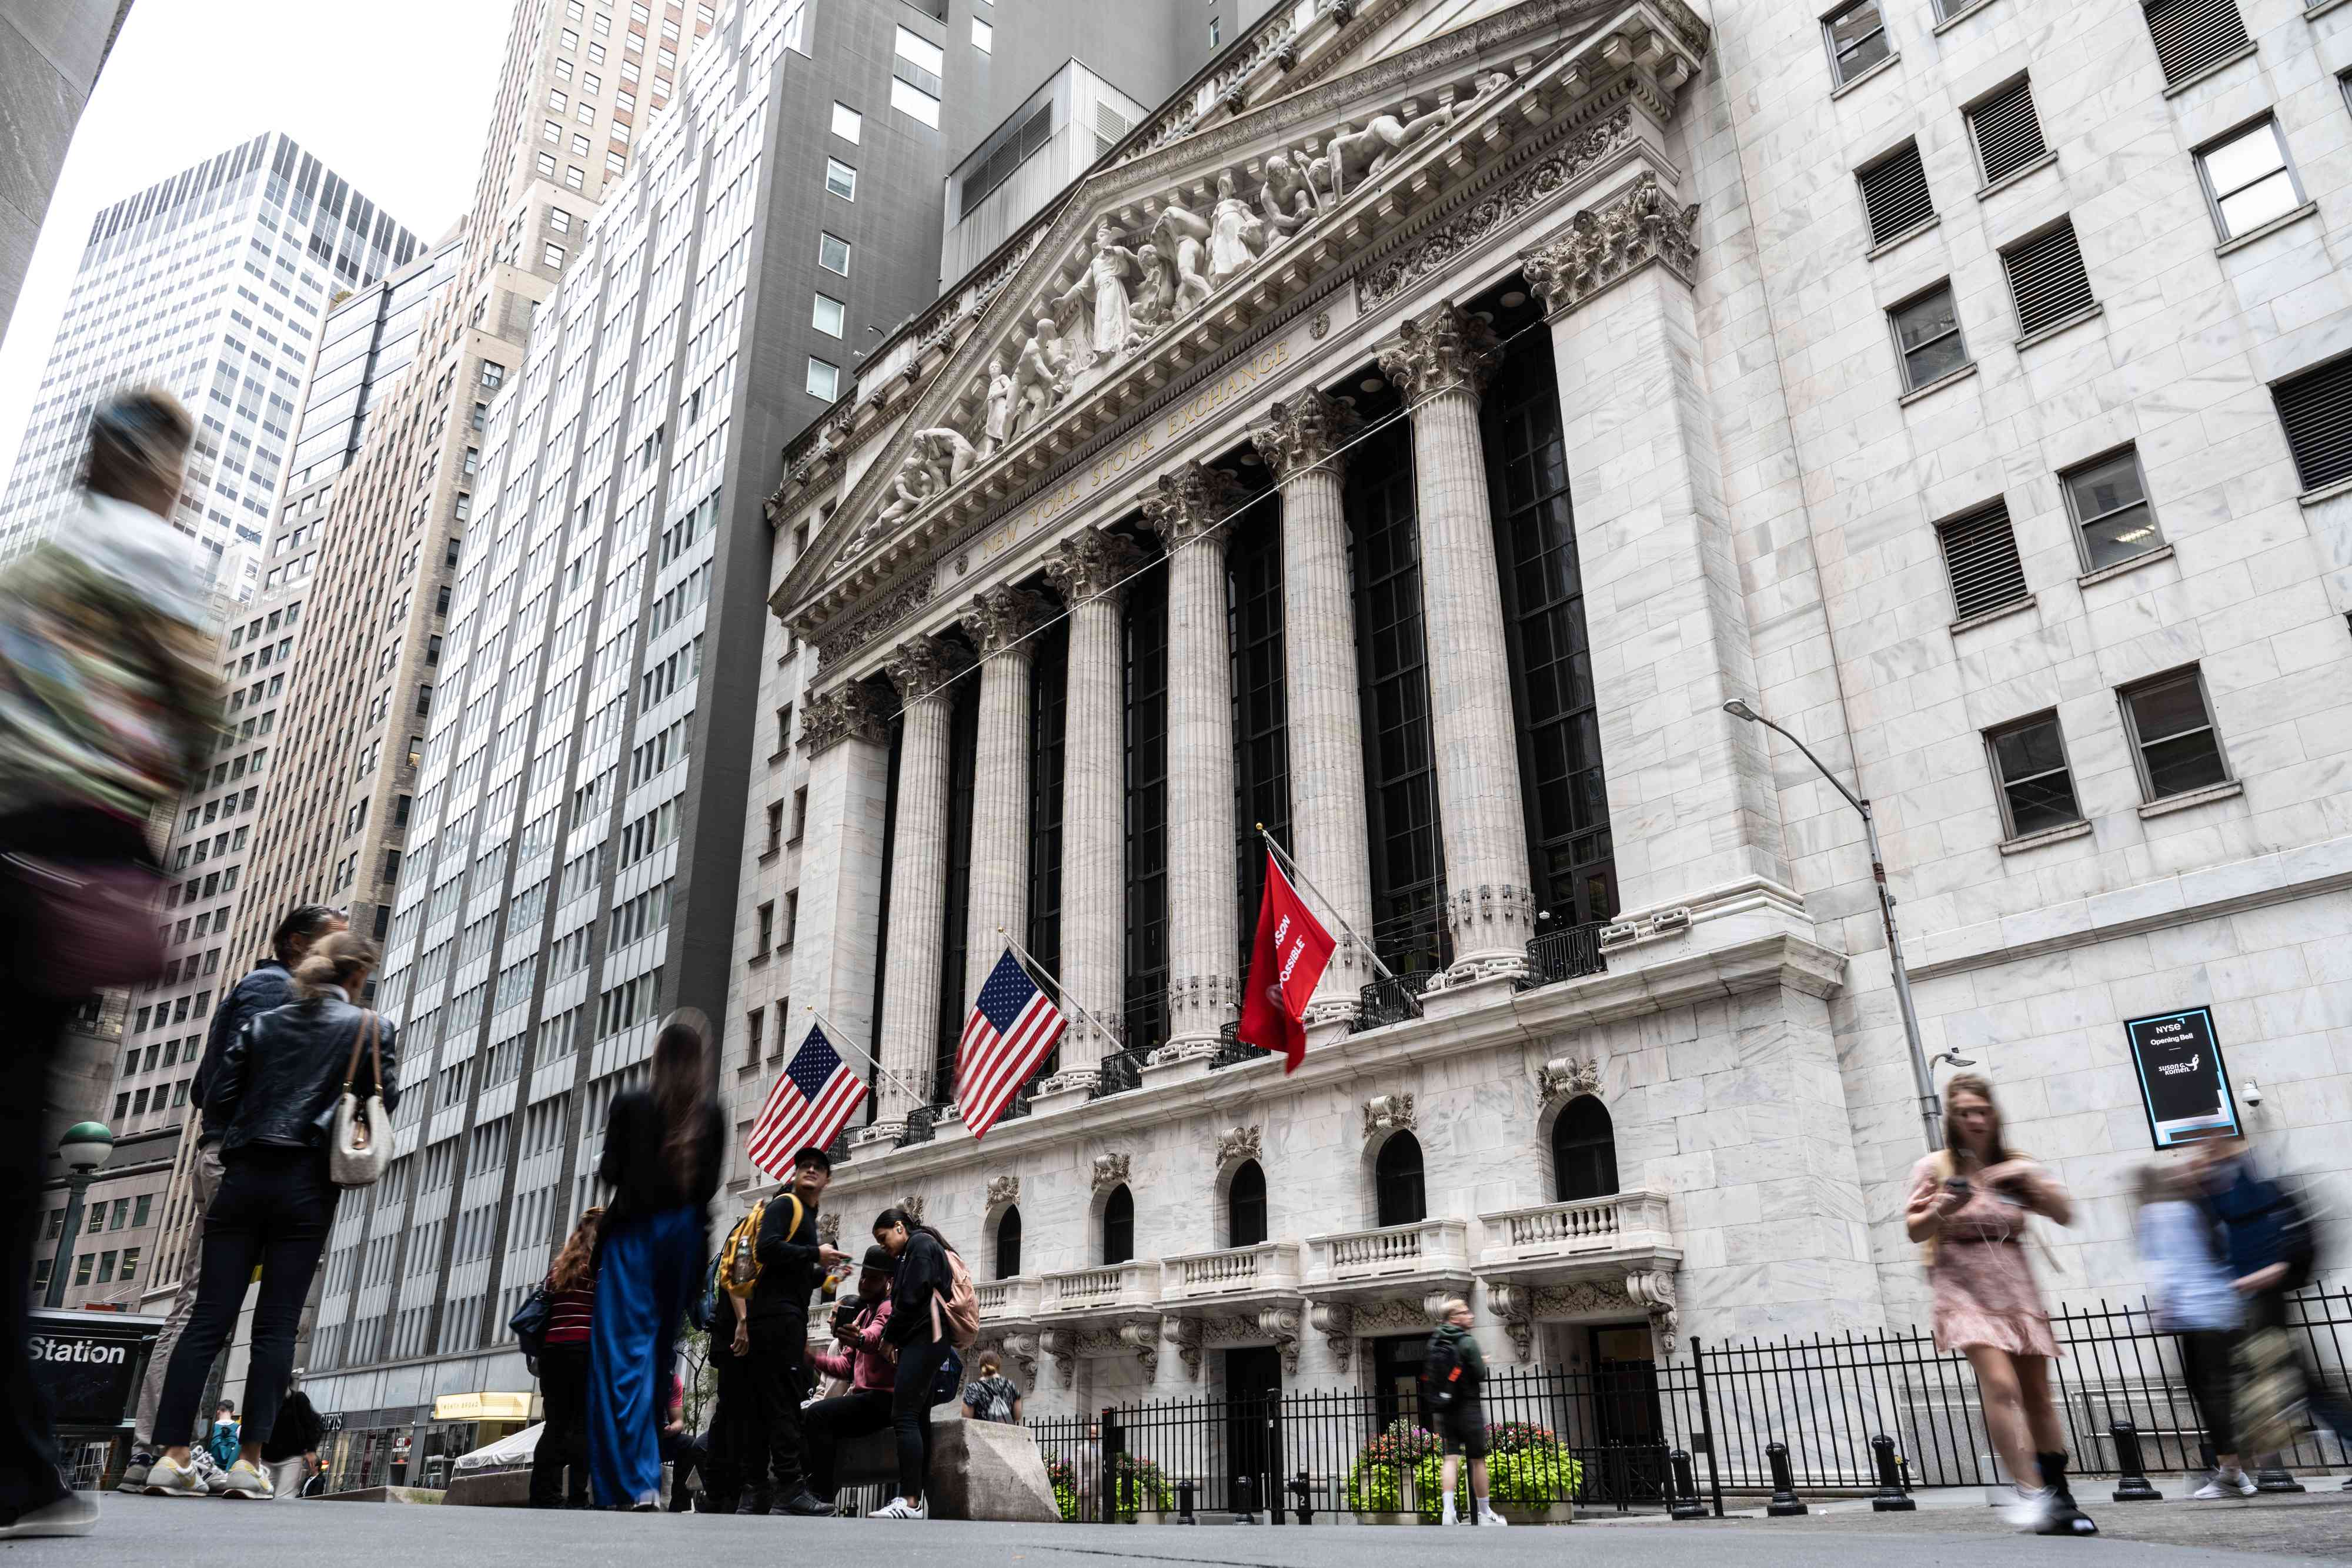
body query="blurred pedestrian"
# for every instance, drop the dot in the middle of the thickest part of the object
(274, 1093)
(270, 985)
(109, 703)
(663, 1150)
(1969, 1208)
(862, 1355)
(1454, 1370)
(993, 1396)
(293, 1451)
(922, 1284)
(2270, 1242)
(571, 1289)
(2194, 1300)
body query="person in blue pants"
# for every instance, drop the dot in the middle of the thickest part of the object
(663, 1150)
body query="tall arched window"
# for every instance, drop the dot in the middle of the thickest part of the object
(1245, 1206)
(1396, 1181)
(1118, 1227)
(1008, 1244)
(1583, 1150)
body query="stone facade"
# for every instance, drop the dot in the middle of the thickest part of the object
(1756, 493)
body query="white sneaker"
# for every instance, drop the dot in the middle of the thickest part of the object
(134, 1474)
(899, 1507)
(245, 1480)
(208, 1469)
(2225, 1483)
(2032, 1510)
(169, 1477)
(1448, 1516)
(1486, 1515)
(76, 1513)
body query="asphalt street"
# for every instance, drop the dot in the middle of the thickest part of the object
(214, 1533)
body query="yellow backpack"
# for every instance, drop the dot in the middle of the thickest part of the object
(738, 1260)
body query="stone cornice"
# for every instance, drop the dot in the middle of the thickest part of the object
(1783, 957)
(1637, 52)
(848, 712)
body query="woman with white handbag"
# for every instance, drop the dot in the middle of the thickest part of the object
(303, 1093)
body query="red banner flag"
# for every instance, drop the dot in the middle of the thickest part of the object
(1286, 962)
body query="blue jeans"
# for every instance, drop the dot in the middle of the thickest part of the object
(647, 1272)
(910, 1414)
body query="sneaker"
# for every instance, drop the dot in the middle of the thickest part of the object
(2032, 1510)
(134, 1474)
(208, 1469)
(245, 1480)
(2224, 1483)
(1486, 1515)
(899, 1507)
(76, 1513)
(169, 1477)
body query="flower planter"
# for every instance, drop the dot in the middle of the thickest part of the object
(1551, 1513)
(1367, 1516)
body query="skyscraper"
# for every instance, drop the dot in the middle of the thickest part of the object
(212, 283)
(570, 863)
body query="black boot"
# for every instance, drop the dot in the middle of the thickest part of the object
(2065, 1519)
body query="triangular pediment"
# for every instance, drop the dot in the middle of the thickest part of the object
(1166, 256)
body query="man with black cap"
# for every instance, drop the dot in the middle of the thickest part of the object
(861, 1356)
(792, 1264)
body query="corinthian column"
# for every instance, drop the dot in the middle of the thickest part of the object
(1088, 568)
(1203, 992)
(1441, 360)
(1000, 622)
(914, 947)
(1302, 442)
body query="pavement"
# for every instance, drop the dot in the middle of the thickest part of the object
(205, 1533)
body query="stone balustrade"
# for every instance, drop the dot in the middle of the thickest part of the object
(1432, 1248)
(1007, 1301)
(1619, 1222)
(1269, 1266)
(1116, 1287)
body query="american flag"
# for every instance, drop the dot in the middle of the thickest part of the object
(807, 1108)
(1012, 1027)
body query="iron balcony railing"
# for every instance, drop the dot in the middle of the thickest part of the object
(1565, 955)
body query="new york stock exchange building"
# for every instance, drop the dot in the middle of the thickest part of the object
(1410, 439)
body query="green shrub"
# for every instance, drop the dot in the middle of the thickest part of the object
(1526, 1466)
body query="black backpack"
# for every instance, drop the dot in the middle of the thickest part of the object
(1442, 1372)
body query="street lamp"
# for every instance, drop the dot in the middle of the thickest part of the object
(84, 1149)
(1931, 1119)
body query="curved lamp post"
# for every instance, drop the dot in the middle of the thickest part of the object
(1931, 1110)
(85, 1149)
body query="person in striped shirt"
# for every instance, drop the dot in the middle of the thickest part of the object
(564, 1372)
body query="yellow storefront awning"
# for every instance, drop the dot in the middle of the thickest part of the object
(482, 1407)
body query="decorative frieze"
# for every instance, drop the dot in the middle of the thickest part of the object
(1110, 1170)
(848, 712)
(1388, 1113)
(1607, 245)
(895, 607)
(1238, 1143)
(1443, 349)
(1565, 1078)
(1002, 1191)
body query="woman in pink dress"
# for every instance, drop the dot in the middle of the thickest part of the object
(1968, 1210)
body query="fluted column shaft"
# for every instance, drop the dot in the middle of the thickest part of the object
(1442, 361)
(914, 949)
(1304, 442)
(1203, 987)
(1088, 568)
(996, 904)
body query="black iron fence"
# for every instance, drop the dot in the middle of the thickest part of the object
(1836, 1412)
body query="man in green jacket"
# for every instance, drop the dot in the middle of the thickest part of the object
(1457, 1372)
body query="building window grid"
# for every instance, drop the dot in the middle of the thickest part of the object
(1928, 337)
(2175, 747)
(2107, 498)
(2249, 177)
(2035, 784)
(2007, 131)
(1856, 37)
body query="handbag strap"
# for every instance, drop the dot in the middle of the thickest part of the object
(367, 1033)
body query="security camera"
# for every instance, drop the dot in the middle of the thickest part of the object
(2251, 1093)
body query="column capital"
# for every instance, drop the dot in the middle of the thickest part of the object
(1608, 243)
(851, 711)
(1090, 564)
(1444, 348)
(922, 665)
(1189, 503)
(1308, 432)
(1001, 618)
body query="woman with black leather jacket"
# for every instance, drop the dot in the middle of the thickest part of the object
(274, 1096)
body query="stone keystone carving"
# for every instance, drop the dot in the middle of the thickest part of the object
(1280, 1323)
(1001, 618)
(1062, 1346)
(1388, 1113)
(849, 712)
(1565, 1078)
(1306, 433)
(1142, 1337)
(920, 666)
(1003, 1190)
(1109, 1171)
(1239, 1144)
(1336, 1321)
(1091, 563)
(1189, 503)
(1184, 1335)
(1443, 349)
(828, 1229)
(1608, 245)
(913, 1205)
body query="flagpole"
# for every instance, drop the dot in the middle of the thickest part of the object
(1284, 856)
(1067, 1000)
(879, 1070)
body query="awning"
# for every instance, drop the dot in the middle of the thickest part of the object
(482, 1407)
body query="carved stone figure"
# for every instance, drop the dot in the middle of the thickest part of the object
(1356, 156)
(1154, 297)
(1234, 232)
(916, 482)
(1287, 198)
(1183, 239)
(1037, 379)
(999, 427)
(946, 452)
(1103, 291)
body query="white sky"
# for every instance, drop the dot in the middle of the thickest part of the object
(394, 96)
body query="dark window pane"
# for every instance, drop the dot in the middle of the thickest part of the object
(1584, 1151)
(1245, 1206)
(2160, 712)
(2044, 802)
(1396, 1179)
(2184, 763)
(2029, 749)
(1924, 319)
(1118, 1228)
(1008, 1245)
